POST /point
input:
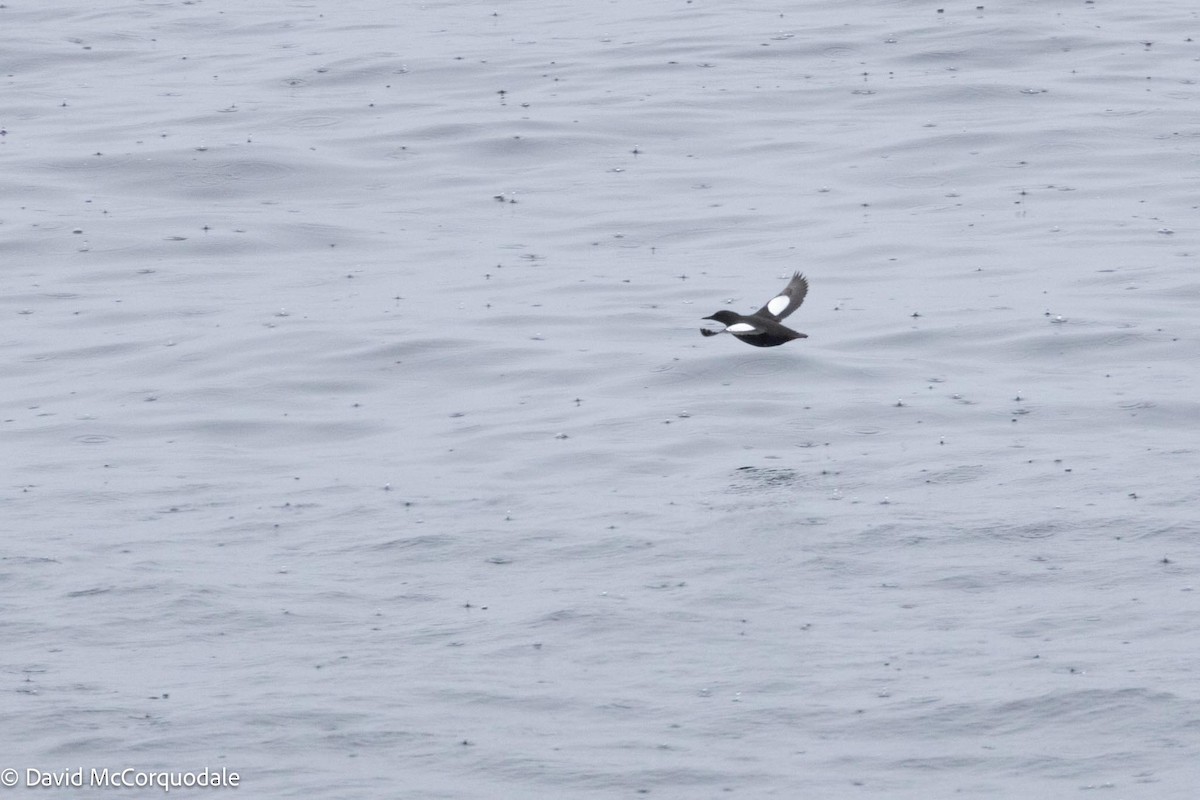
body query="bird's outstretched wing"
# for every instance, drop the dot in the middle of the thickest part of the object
(786, 301)
(738, 329)
(745, 329)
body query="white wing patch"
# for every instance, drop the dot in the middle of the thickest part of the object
(778, 304)
(742, 327)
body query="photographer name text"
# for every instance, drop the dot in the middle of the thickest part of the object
(126, 778)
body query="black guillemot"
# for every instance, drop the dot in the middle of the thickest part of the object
(762, 328)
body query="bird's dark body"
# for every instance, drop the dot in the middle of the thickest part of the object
(763, 328)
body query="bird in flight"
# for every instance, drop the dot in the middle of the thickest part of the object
(763, 328)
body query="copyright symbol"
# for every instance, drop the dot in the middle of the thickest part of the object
(9, 777)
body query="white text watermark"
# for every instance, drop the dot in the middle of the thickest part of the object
(120, 778)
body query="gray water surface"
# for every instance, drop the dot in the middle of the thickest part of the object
(358, 435)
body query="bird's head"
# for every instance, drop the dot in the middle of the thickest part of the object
(725, 317)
